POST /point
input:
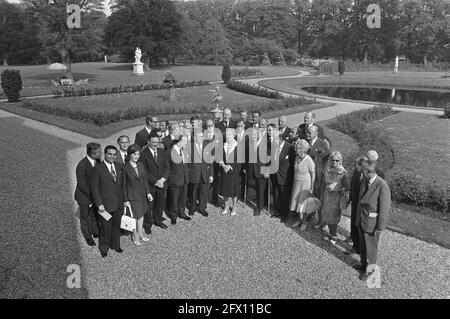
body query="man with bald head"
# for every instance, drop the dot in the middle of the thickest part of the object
(372, 158)
(308, 122)
(227, 121)
(285, 131)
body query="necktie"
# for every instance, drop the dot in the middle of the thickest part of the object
(113, 173)
(155, 155)
(366, 187)
(181, 155)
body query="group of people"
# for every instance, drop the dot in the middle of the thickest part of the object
(180, 166)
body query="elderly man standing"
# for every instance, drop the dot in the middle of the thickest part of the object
(372, 217)
(285, 131)
(123, 141)
(372, 156)
(302, 131)
(151, 122)
(244, 116)
(227, 121)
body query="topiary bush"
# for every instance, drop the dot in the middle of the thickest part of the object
(447, 111)
(11, 84)
(226, 73)
(341, 67)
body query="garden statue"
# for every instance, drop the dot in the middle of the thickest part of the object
(396, 65)
(138, 66)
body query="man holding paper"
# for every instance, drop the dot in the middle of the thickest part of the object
(108, 197)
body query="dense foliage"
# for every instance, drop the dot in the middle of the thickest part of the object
(11, 82)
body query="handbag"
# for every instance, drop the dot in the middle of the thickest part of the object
(128, 222)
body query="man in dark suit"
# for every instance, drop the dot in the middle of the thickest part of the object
(227, 122)
(123, 141)
(200, 176)
(283, 159)
(88, 214)
(319, 153)
(372, 217)
(258, 162)
(178, 180)
(247, 123)
(171, 138)
(156, 163)
(107, 194)
(242, 149)
(151, 122)
(256, 118)
(355, 186)
(285, 131)
(302, 131)
(213, 136)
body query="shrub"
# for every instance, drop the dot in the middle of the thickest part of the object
(447, 111)
(226, 73)
(341, 67)
(250, 89)
(290, 56)
(409, 188)
(170, 81)
(11, 84)
(245, 72)
(266, 60)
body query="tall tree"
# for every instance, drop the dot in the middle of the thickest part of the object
(215, 43)
(153, 25)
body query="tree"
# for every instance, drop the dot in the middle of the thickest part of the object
(153, 25)
(215, 43)
(56, 37)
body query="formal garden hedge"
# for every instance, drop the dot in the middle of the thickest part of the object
(108, 117)
(406, 187)
(254, 90)
(245, 72)
(87, 91)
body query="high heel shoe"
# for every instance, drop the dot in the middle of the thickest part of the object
(233, 212)
(144, 238)
(136, 241)
(225, 211)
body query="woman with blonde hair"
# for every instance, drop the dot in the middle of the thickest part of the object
(336, 185)
(304, 177)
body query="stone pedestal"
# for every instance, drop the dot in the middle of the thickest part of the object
(138, 68)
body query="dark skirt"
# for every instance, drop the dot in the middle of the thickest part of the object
(229, 185)
(139, 208)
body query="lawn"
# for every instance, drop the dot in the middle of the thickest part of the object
(430, 80)
(422, 144)
(36, 78)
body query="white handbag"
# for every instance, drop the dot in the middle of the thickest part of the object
(128, 222)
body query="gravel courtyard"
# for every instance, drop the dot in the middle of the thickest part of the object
(214, 257)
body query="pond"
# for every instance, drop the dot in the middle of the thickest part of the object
(423, 98)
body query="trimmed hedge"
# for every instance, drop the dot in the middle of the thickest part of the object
(11, 83)
(405, 186)
(245, 72)
(226, 73)
(86, 91)
(105, 117)
(250, 89)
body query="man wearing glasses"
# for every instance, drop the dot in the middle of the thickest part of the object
(151, 123)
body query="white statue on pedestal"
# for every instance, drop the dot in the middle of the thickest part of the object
(137, 55)
(396, 65)
(138, 66)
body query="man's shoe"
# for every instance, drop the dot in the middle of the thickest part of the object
(360, 267)
(90, 241)
(274, 215)
(148, 231)
(173, 221)
(204, 213)
(161, 225)
(191, 213)
(185, 217)
(365, 276)
(119, 250)
(103, 254)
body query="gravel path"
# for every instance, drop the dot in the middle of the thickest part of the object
(214, 257)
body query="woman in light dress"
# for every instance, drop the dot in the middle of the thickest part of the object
(304, 177)
(337, 184)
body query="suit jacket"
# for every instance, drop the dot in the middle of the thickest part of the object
(141, 138)
(134, 187)
(377, 200)
(301, 131)
(155, 170)
(247, 124)
(83, 190)
(287, 134)
(221, 126)
(242, 148)
(168, 142)
(119, 158)
(285, 162)
(319, 151)
(199, 169)
(106, 191)
(179, 171)
(355, 187)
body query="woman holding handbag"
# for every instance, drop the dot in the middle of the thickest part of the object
(136, 192)
(335, 194)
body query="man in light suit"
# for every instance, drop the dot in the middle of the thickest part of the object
(83, 195)
(107, 194)
(372, 217)
(123, 141)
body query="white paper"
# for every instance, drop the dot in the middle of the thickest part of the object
(105, 215)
